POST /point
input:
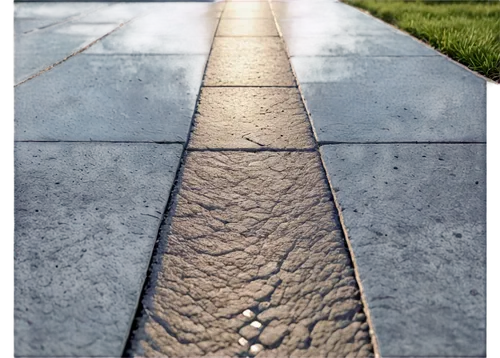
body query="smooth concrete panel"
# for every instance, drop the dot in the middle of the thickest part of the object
(86, 220)
(45, 10)
(154, 25)
(392, 99)
(23, 26)
(111, 98)
(345, 45)
(416, 219)
(34, 52)
(317, 9)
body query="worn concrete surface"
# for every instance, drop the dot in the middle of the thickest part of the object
(111, 98)
(255, 263)
(248, 61)
(30, 57)
(247, 27)
(392, 99)
(416, 219)
(348, 45)
(86, 221)
(251, 118)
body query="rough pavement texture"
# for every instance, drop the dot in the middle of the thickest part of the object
(247, 27)
(86, 217)
(417, 213)
(254, 252)
(258, 61)
(251, 118)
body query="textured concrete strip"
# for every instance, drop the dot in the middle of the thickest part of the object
(252, 9)
(260, 61)
(86, 222)
(111, 98)
(415, 216)
(348, 45)
(353, 26)
(392, 99)
(256, 262)
(251, 118)
(314, 10)
(52, 11)
(247, 27)
(36, 51)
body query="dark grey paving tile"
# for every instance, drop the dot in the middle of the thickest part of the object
(416, 219)
(39, 10)
(257, 61)
(155, 25)
(131, 43)
(111, 98)
(251, 118)
(345, 45)
(119, 12)
(334, 27)
(392, 99)
(86, 220)
(247, 27)
(36, 51)
(252, 9)
(253, 238)
(78, 28)
(326, 9)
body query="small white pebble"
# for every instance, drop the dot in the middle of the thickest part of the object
(242, 341)
(256, 348)
(248, 313)
(256, 324)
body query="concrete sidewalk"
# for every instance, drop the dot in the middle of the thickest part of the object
(253, 256)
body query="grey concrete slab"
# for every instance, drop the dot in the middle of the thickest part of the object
(416, 220)
(47, 10)
(247, 27)
(36, 51)
(249, 117)
(22, 26)
(304, 27)
(132, 43)
(119, 13)
(249, 61)
(325, 9)
(78, 28)
(247, 10)
(255, 257)
(156, 25)
(392, 99)
(86, 220)
(345, 45)
(111, 98)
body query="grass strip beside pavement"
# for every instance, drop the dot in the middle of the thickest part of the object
(468, 32)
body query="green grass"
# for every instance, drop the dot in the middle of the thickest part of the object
(468, 32)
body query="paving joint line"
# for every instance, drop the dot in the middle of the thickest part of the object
(399, 142)
(68, 19)
(156, 256)
(255, 150)
(374, 341)
(80, 50)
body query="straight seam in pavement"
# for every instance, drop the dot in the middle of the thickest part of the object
(68, 19)
(81, 49)
(372, 332)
